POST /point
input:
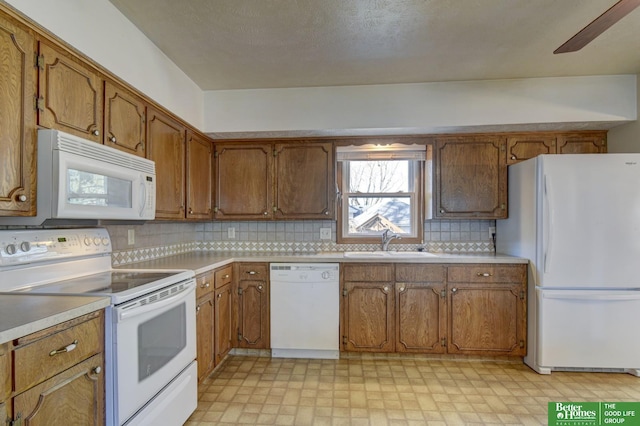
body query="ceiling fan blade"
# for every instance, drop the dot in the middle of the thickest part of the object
(598, 26)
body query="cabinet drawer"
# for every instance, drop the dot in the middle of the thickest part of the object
(487, 273)
(419, 273)
(38, 361)
(204, 284)
(368, 272)
(253, 271)
(223, 276)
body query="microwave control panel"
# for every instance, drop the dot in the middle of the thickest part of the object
(21, 246)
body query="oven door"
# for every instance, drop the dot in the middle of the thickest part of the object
(155, 340)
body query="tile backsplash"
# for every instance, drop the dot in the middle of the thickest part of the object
(153, 240)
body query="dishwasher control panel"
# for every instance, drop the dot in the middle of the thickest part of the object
(305, 272)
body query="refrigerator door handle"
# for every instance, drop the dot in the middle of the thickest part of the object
(586, 296)
(547, 222)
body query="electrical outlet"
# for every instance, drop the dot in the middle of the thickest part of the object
(231, 233)
(131, 236)
(325, 233)
(492, 231)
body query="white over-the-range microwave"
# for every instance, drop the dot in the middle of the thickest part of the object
(83, 180)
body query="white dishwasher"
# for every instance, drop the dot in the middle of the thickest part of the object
(305, 310)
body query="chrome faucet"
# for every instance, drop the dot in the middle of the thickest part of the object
(387, 236)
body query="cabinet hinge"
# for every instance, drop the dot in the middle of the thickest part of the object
(239, 336)
(443, 293)
(40, 61)
(503, 206)
(275, 209)
(443, 341)
(240, 291)
(39, 103)
(344, 340)
(344, 292)
(521, 294)
(17, 421)
(215, 154)
(215, 209)
(275, 153)
(522, 343)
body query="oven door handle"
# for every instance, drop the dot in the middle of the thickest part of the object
(182, 294)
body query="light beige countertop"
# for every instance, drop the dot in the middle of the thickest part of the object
(203, 261)
(23, 314)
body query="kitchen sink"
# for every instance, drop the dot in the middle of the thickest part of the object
(387, 254)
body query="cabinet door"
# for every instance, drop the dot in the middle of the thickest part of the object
(523, 147)
(205, 335)
(471, 178)
(73, 397)
(124, 120)
(17, 120)
(369, 313)
(243, 182)
(304, 181)
(166, 145)
(487, 319)
(421, 317)
(223, 322)
(199, 177)
(582, 143)
(70, 95)
(253, 306)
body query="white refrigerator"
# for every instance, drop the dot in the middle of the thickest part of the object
(576, 218)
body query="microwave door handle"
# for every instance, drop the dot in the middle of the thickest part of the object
(134, 312)
(143, 201)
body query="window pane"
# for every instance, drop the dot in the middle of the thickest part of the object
(372, 215)
(379, 176)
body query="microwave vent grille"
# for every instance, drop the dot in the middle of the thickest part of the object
(104, 153)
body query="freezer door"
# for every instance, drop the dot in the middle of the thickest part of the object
(588, 214)
(588, 329)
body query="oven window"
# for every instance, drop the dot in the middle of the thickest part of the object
(93, 189)
(160, 339)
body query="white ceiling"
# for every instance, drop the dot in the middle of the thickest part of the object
(246, 44)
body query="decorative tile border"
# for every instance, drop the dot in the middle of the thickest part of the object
(124, 257)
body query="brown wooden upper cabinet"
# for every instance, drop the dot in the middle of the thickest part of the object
(525, 146)
(471, 177)
(243, 181)
(17, 120)
(274, 181)
(166, 146)
(199, 177)
(69, 94)
(304, 181)
(124, 120)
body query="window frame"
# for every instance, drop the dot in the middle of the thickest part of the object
(417, 216)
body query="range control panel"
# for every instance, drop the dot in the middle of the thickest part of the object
(22, 246)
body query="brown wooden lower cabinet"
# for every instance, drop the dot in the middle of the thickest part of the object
(457, 309)
(253, 324)
(223, 322)
(205, 334)
(66, 389)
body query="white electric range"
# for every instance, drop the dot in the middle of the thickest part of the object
(150, 333)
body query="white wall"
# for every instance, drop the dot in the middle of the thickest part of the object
(100, 31)
(424, 107)
(626, 138)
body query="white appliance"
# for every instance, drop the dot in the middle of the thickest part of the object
(577, 219)
(305, 310)
(150, 336)
(80, 179)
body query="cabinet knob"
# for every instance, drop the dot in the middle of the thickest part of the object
(97, 370)
(71, 346)
(22, 198)
(226, 276)
(190, 210)
(454, 290)
(96, 133)
(113, 139)
(219, 295)
(385, 288)
(326, 213)
(441, 210)
(513, 157)
(483, 274)
(259, 287)
(401, 289)
(197, 309)
(204, 285)
(265, 213)
(251, 272)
